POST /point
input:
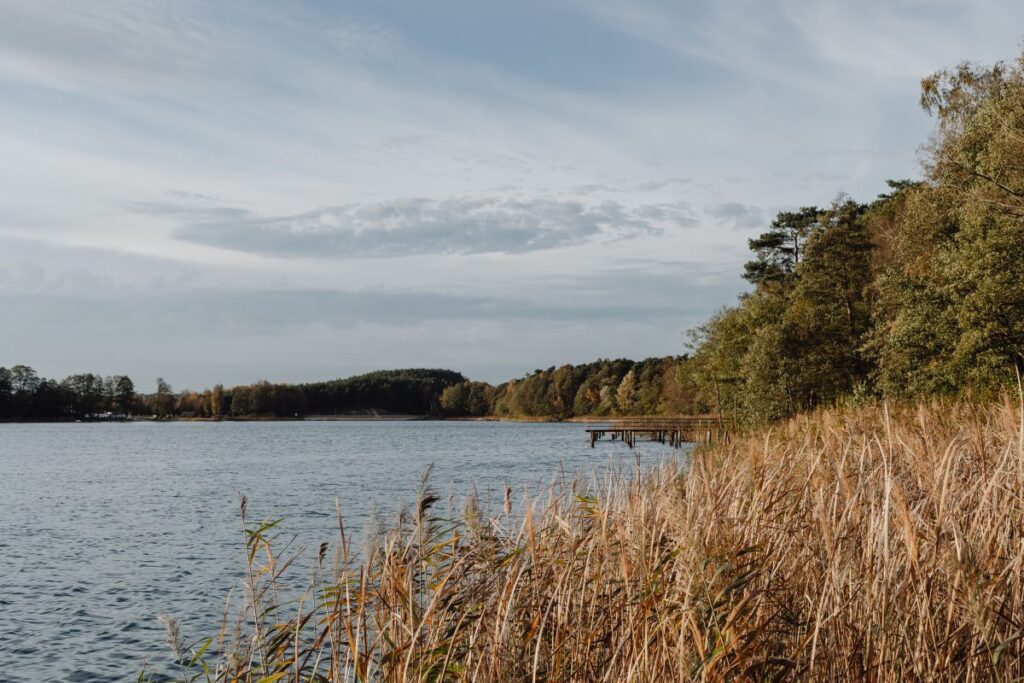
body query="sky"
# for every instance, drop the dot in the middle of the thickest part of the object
(286, 190)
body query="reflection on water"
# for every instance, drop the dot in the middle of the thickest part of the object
(106, 526)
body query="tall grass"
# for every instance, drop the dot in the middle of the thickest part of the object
(850, 544)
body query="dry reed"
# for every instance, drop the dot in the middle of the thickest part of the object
(850, 544)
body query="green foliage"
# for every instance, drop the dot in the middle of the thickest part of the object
(797, 341)
(24, 395)
(408, 392)
(919, 293)
(914, 325)
(467, 399)
(601, 388)
(828, 314)
(413, 392)
(606, 387)
(953, 313)
(778, 251)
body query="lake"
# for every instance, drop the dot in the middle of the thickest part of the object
(106, 526)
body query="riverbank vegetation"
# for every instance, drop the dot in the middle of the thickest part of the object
(850, 544)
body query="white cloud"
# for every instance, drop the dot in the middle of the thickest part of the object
(736, 215)
(463, 225)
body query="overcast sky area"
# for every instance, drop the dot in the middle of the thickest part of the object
(229, 191)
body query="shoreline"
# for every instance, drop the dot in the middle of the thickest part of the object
(335, 418)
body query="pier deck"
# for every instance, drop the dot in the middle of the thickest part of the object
(674, 431)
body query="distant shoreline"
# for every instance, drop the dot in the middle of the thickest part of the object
(318, 418)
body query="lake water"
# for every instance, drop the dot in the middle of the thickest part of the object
(105, 526)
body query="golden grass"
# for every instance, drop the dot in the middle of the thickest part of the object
(847, 545)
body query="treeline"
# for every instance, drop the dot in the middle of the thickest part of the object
(919, 293)
(605, 387)
(602, 388)
(24, 395)
(406, 392)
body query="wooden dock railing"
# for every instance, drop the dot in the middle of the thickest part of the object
(674, 431)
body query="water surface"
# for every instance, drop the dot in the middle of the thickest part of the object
(106, 526)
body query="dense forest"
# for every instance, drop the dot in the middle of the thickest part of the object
(605, 387)
(404, 392)
(24, 395)
(919, 292)
(601, 388)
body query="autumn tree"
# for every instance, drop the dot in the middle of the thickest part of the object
(626, 394)
(163, 401)
(216, 400)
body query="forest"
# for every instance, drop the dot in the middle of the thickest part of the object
(919, 293)
(24, 395)
(916, 293)
(601, 388)
(394, 392)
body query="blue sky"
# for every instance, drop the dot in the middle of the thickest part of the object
(228, 191)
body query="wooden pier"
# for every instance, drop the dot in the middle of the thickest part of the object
(674, 431)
